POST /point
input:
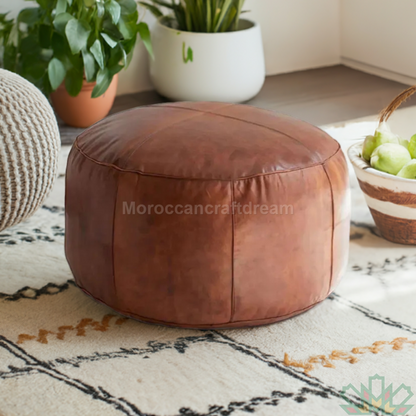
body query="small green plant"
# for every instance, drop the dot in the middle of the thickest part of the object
(6, 26)
(72, 40)
(208, 16)
(189, 55)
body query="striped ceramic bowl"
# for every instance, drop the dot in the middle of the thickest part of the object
(392, 200)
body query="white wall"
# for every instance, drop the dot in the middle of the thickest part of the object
(12, 6)
(379, 36)
(297, 34)
(376, 36)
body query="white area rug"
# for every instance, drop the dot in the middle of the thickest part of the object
(62, 354)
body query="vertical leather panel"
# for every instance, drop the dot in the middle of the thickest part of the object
(174, 267)
(337, 171)
(89, 209)
(282, 261)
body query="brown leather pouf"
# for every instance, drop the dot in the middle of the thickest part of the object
(207, 214)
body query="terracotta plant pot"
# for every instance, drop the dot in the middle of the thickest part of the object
(82, 110)
(391, 200)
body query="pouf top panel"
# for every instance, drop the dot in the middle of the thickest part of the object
(205, 140)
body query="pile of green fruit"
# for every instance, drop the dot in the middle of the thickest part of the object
(390, 153)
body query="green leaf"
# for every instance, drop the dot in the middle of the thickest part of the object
(14, 36)
(45, 35)
(73, 82)
(124, 56)
(104, 79)
(44, 85)
(110, 41)
(59, 46)
(89, 65)
(61, 6)
(112, 30)
(153, 9)
(29, 45)
(61, 21)
(100, 10)
(45, 4)
(165, 4)
(32, 69)
(77, 32)
(89, 3)
(114, 9)
(189, 55)
(144, 33)
(76, 61)
(56, 73)
(61, 51)
(10, 57)
(97, 51)
(128, 60)
(127, 6)
(226, 5)
(29, 16)
(115, 69)
(128, 45)
(127, 28)
(117, 54)
(128, 49)
(209, 17)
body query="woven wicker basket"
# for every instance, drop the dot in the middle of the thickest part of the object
(391, 200)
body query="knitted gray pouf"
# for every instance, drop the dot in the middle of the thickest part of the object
(29, 148)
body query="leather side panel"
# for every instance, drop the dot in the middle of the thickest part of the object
(172, 267)
(337, 171)
(282, 261)
(89, 210)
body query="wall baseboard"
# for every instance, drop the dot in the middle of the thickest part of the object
(374, 70)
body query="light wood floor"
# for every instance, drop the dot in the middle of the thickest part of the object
(320, 96)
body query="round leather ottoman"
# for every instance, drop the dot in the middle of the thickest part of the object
(207, 214)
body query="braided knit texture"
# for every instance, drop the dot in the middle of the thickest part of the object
(29, 148)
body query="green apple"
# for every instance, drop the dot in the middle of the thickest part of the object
(368, 147)
(412, 146)
(408, 171)
(405, 143)
(381, 136)
(390, 158)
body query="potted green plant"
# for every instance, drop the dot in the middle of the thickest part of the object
(203, 50)
(73, 51)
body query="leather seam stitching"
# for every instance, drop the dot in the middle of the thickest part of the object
(232, 252)
(163, 105)
(333, 228)
(113, 239)
(244, 121)
(110, 165)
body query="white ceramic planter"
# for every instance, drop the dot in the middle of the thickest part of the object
(190, 66)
